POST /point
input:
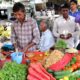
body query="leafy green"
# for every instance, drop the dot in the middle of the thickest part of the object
(13, 71)
(73, 61)
(61, 44)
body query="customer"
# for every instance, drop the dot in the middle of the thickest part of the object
(73, 8)
(77, 20)
(47, 40)
(25, 32)
(65, 27)
(74, 12)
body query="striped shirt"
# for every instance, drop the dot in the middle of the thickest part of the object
(26, 33)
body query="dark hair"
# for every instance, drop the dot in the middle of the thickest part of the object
(65, 5)
(74, 1)
(18, 6)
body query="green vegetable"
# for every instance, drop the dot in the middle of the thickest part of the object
(73, 61)
(61, 44)
(59, 77)
(72, 78)
(13, 71)
(50, 71)
(75, 73)
(61, 73)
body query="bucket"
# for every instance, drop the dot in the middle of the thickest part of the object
(17, 57)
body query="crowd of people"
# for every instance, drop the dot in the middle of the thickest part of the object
(27, 36)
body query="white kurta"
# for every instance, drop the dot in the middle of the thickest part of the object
(68, 26)
(46, 41)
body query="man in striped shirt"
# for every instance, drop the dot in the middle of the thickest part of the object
(25, 32)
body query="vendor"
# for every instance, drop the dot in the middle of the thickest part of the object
(25, 33)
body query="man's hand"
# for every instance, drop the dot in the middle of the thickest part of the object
(69, 35)
(62, 36)
(25, 50)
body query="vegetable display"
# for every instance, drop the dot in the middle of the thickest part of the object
(61, 63)
(38, 72)
(54, 57)
(13, 71)
(61, 44)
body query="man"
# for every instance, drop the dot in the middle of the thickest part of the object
(73, 8)
(65, 27)
(47, 40)
(25, 33)
(77, 20)
(74, 12)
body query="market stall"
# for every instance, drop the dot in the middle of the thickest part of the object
(57, 64)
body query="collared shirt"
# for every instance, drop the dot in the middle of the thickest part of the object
(74, 14)
(62, 26)
(26, 33)
(46, 41)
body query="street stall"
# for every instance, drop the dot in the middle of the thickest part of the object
(58, 63)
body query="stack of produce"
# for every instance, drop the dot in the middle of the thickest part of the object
(54, 56)
(13, 71)
(67, 69)
(62, 62)
(60, 45)
(5, 33)
(72, 50)
(36, 56)
(38, 72)
(66, 74)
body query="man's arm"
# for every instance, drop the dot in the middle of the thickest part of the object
(55, 29)
(77, 30)
(76, 34)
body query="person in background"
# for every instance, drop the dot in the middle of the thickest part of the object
(77, 20)
(65, 27)
(74, 12)
(25, 33)
(73, 8)
(47, 40)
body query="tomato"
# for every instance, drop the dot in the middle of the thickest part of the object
(78, 58)
(78, 79)
(74, 66)
(78, 64)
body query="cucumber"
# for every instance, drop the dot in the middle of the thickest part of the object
(76, 73)
(59, 77)
(50, 71)
(60, 73)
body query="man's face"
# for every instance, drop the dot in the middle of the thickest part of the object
(73, 6)
(65, 12)
(19, 15)
(42, 26)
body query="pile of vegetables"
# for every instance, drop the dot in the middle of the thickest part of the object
(66, 74)
(13, 71)
(5, 33)
(71, 70)
(54, 57)
(38, 72)
(61, 44)
(61, 63)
